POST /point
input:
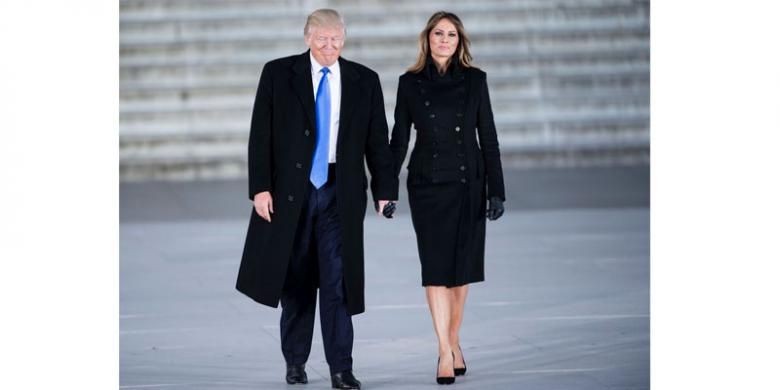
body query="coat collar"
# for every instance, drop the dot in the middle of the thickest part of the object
(301, 83)
(350, 95)
(455, 69)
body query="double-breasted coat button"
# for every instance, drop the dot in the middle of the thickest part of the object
(457, 128)
(290, 198)
(463, 181)
(307, 132)
(432, 116)
(298, 165)
(427, 103)
(462, 168)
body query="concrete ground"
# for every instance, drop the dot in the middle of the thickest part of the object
(565, 304)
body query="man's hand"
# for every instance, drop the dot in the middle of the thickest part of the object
(264, 205)
(381, 208)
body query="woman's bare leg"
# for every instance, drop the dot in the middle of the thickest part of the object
(440, 302)
(456, 319)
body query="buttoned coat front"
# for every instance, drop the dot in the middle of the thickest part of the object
(281, 147)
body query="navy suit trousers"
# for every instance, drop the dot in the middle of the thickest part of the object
(317, 261)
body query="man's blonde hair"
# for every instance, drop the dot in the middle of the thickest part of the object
(324, 17)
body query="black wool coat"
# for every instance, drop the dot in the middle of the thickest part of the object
(281, 148)
(454, 167)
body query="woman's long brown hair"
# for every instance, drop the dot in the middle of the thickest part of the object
(462, 52)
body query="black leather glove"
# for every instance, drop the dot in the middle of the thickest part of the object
(495, 208)
(389, 210)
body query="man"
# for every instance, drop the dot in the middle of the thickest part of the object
(317, 118)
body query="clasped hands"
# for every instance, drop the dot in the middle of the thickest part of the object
(264, 206)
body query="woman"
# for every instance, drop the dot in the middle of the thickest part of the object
(454, 168)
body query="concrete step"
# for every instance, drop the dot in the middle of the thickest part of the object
(616, 35)
(137, 150)
(227, 168)
(584, 95)
(251, 64)
(531, 123)
(198, 158)
(216, 21)
(165, 7)
(141, 116)
(376, 51)
(369, 30)
(197, 149)
(501, 101)
(516, 102)
(225, 19)
(232, 85)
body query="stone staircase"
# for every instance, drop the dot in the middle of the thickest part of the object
(569, 80)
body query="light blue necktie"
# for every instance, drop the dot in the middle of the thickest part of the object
(319, 167)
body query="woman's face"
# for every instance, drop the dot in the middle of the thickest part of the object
(443, 39)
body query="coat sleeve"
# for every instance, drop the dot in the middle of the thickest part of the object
(399, 141)
(259, 157)
(384, 184)
(488, 142)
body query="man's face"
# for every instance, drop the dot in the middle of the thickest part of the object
(325, 44)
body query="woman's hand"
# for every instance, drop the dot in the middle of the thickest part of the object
(385, 207)
(388, 209)
(495, 209)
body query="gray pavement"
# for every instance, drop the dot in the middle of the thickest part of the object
(551, 188)
(565, 304)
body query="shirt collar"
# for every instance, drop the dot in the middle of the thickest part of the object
(316, 67)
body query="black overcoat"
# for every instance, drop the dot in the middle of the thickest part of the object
(454, 167)
(281, 147)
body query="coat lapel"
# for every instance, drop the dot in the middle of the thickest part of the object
(350, 92)
(302, 85)
(472, 97)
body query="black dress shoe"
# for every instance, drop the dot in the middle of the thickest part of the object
(461, 371)
(444, 380)
(296, 374)
(344, 380)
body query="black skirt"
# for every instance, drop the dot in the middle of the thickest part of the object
(449, 221)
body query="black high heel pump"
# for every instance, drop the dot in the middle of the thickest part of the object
(460, 371)
(444, 380)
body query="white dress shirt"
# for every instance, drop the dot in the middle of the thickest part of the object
(334, 82)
